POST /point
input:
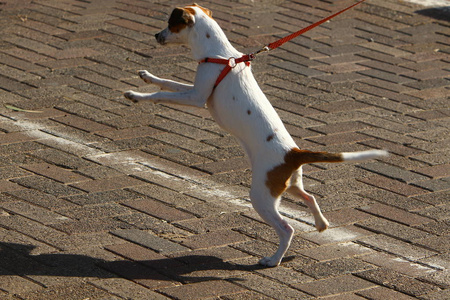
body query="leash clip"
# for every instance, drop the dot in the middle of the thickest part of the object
(232, 62)
(264, 49)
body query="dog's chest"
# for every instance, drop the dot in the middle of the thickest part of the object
(240, 107)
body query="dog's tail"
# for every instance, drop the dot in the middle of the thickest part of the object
(277, 178)
(301, 157)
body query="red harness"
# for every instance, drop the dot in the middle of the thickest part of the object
(232, 61)
(230, 64)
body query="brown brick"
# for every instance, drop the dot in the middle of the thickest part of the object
(139, 274)
(394, 186)
(158, 210)
(146, 256)
(126, 289)
(215, 222)
(82, 123)
(113, 183)
(149, 240)
(398, 282)
(336, 235)
(397, 247)
(397, 264)
(15, 137)
(130, 133)
(340, 138)
(396, 214)
(8, 186)
(345, 216)
(336, 285)
(205, 289)
(329, 252)
(271, 288)
(214, 239)
(33, 212)
(437, 171)
(56, 173)
(337, 267)
(382, 293)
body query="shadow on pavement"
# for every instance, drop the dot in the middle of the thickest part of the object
(439, 13)
(17, 260)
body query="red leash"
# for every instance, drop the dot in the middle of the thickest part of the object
(232, 62)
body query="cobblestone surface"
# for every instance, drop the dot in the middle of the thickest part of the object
(102, 199)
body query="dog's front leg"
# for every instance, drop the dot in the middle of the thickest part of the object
(191, 98)
(195, 95)
(164, 84)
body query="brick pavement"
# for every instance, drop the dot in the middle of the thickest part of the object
(101, 199)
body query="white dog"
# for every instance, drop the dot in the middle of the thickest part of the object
(240, 107)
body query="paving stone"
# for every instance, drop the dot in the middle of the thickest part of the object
(396, 214)
(396, 247)
(329, 252)
(335, 285)
(36, 213)
(94, 186)
(148, 240)
(336, 235)
(397, 264)
(47, 186)
(379, 293)
(138, 273)
(214, 239)
(215, 222)
(394, 186)
(203, 289)
(335, 268)
(126, 289)
(398, 282)
(271, 288)
(55, 173)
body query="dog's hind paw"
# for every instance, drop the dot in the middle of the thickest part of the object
(269, 262)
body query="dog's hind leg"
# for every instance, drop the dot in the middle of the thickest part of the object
(296, 189)
(164, 84)
(267, 207)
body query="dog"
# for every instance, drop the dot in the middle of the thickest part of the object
(240, 107)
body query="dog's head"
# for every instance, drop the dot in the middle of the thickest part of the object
(181, 22)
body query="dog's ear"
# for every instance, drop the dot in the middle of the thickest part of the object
(179, 19)
(205, 10)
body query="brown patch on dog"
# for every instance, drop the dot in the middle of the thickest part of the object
(277, 177)
(180, 19)
(208, 35)
(249, 112)
(205, 10)
(270, 137)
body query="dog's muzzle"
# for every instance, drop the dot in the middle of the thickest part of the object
(160, 38)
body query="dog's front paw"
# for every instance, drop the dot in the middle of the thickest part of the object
(146, 76)
(130, 95)
(269, 262)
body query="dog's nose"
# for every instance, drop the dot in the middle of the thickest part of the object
(157, 36)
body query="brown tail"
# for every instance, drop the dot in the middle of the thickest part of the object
(298, 157)
(277, 177)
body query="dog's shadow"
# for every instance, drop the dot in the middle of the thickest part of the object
(16, 259)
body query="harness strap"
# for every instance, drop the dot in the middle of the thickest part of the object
(229, 64)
